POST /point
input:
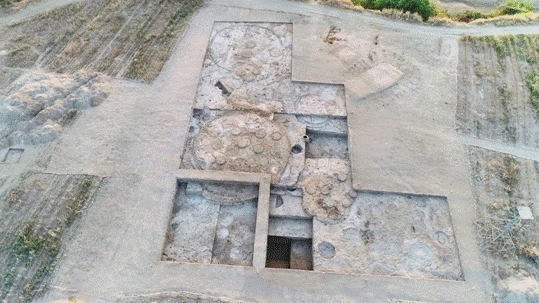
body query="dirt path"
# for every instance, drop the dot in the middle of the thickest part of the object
(517, 151)
(375, 20)
(316, 10)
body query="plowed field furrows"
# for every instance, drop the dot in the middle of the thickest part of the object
(122, 38)
(494, 99)
(35, 217)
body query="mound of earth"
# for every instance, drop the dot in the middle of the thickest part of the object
(38, 105)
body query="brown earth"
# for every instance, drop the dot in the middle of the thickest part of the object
(495, 105)
(494, 100)
(36, 216)
(130, 39)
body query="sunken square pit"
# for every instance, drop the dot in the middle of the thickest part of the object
(390, 234)
(212, 223)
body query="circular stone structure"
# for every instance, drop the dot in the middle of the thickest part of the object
(259, 46)
(229, 193)
(326, 197)
(243, 142)
(326, 250)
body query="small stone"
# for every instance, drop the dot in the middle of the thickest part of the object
(244, 142)
(258, 148)
(260, 134)
(352, 193)
(342, 177)
(222, 233)
(276, 136)
(263, 161)
(217, 144)
(204, 141)
(275, 52)
(227, 220)
(326, 189)
(310, 189)
(220, 159)
(235, 131)
(250, 44)
(442, 237)
(326, 250)
(240, 163)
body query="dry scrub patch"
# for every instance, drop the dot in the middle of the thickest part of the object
(497, 98)
(35, 218)
(131, 39)
(9, 7)
(500, 183)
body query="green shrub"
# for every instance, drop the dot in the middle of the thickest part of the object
(513, 7)
(469, 15)
(533, 85)
(422, 7)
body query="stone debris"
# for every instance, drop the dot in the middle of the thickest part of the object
(244, 142)
(38, 105)
(326, 189)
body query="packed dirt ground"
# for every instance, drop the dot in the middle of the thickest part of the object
(86, 104)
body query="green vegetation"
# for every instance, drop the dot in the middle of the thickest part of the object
(30, 251)
(523, 48)
(7, 3)
(35, 249)
(422, 7)
(427, 9)
(69, 117)
(533, 85)
(509, 7)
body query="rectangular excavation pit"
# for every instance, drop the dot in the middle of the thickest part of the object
(205, 228)
(289, 253)
(326, 146)
(290, 243)
(248, 67)
(286, 202)
(218, 218)
(390, 234)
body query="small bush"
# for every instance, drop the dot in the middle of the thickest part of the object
(513, 7)
(469, 15)
(422, 7)
(7, 3)
(533, 85)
